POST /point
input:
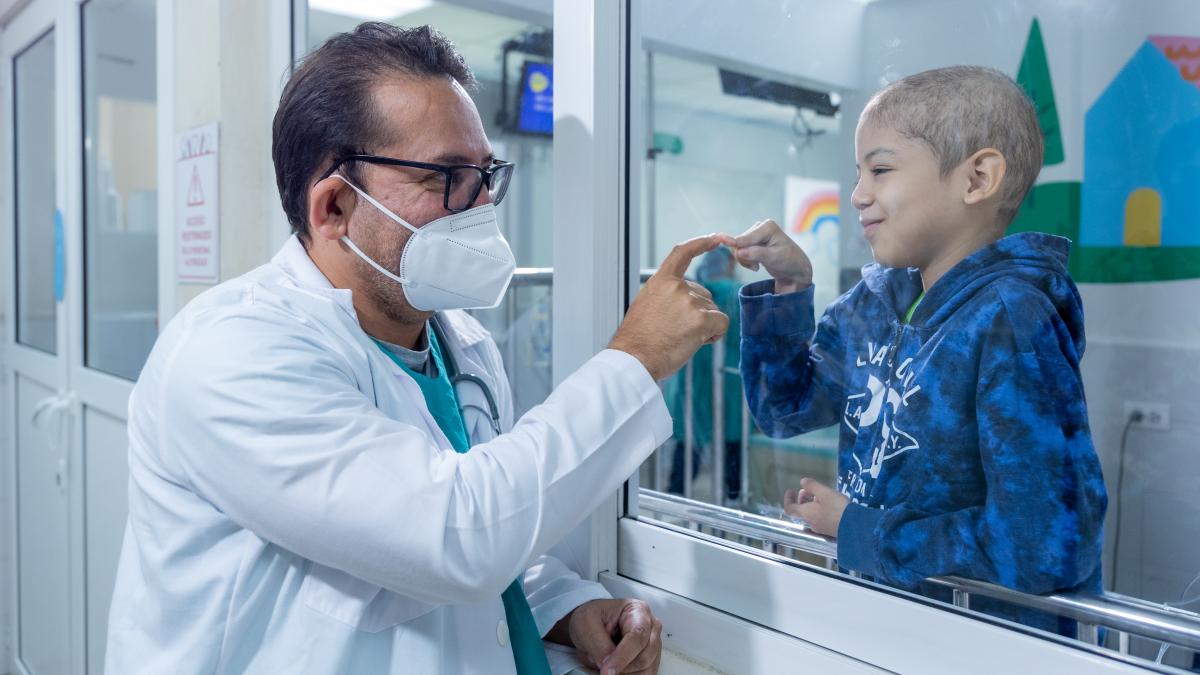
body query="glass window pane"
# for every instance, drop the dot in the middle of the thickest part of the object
(720, 159)
(511, 59)
(121, 184)
(33, 90)
(1002, 446)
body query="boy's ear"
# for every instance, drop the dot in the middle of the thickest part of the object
(986, 170)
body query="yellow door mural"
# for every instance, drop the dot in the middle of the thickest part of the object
(1143, 218)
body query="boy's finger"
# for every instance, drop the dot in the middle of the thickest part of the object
(793, 510)
(758, 233)
(752, 266)
(808, 512)
(791, 497)
(752, 254)
(814, 487)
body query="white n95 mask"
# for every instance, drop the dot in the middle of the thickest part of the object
(458, 261)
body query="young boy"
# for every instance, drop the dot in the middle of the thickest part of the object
(952, 368)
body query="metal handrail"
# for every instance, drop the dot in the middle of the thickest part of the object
(1113, 610)
(532, 276)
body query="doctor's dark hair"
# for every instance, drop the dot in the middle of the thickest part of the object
(960, 110)
(327, 109)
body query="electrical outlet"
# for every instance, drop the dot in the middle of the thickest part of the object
(1155, 416)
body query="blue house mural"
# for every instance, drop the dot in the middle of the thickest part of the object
(1141, 183)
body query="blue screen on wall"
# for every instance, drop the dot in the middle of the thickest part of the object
(536, 101)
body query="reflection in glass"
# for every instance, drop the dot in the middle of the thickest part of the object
(121, 185)
(33, 92)
(726, 149)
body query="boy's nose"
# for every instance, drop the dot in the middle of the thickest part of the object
(859, 198)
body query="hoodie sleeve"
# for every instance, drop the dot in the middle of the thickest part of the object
(790, 375)
(1038, 527)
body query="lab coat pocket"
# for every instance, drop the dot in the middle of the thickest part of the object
(357, 603)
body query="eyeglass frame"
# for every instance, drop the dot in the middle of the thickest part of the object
(486, 173)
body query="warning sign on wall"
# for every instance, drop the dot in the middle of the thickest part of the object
(196, 226)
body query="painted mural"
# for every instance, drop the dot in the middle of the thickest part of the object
(1134, 217)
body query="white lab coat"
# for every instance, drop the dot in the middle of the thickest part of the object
(294, 507)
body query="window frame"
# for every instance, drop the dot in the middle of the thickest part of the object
(659, 560)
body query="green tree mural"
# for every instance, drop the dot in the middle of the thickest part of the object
(1034, 78)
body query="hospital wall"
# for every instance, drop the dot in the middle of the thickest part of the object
(1143, 339)
(225, 71)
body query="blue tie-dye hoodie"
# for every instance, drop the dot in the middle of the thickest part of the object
(964, 444)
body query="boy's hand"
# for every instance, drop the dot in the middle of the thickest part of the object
(768, 246)
(819, 505)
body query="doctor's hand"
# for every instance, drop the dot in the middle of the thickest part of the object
(767, 245)
(615, 636)
(818, 504)
(671, 317)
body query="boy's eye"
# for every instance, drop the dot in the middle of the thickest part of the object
(879, 171)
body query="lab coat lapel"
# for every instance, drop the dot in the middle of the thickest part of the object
(395, 392)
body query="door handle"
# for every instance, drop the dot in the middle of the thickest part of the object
(60, 475)
(44, 406)
(56, 409)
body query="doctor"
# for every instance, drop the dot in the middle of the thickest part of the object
(325, 476)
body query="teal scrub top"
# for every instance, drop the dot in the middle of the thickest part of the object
(526, 639)
(725, 296)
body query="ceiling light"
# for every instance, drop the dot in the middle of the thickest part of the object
(370, 9)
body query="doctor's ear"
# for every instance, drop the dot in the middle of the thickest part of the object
(330, 203)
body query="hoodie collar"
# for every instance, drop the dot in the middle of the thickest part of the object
(1028, 251)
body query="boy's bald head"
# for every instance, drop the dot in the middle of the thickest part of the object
(960, 110)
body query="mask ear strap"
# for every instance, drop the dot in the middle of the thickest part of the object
(372, 263)
(376, 204)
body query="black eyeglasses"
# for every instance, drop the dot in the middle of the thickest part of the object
(462, 181)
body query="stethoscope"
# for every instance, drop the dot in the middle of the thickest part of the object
(456, 378)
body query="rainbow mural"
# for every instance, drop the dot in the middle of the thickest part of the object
(817, 210)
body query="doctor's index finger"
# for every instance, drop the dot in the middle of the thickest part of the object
(677, 261)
